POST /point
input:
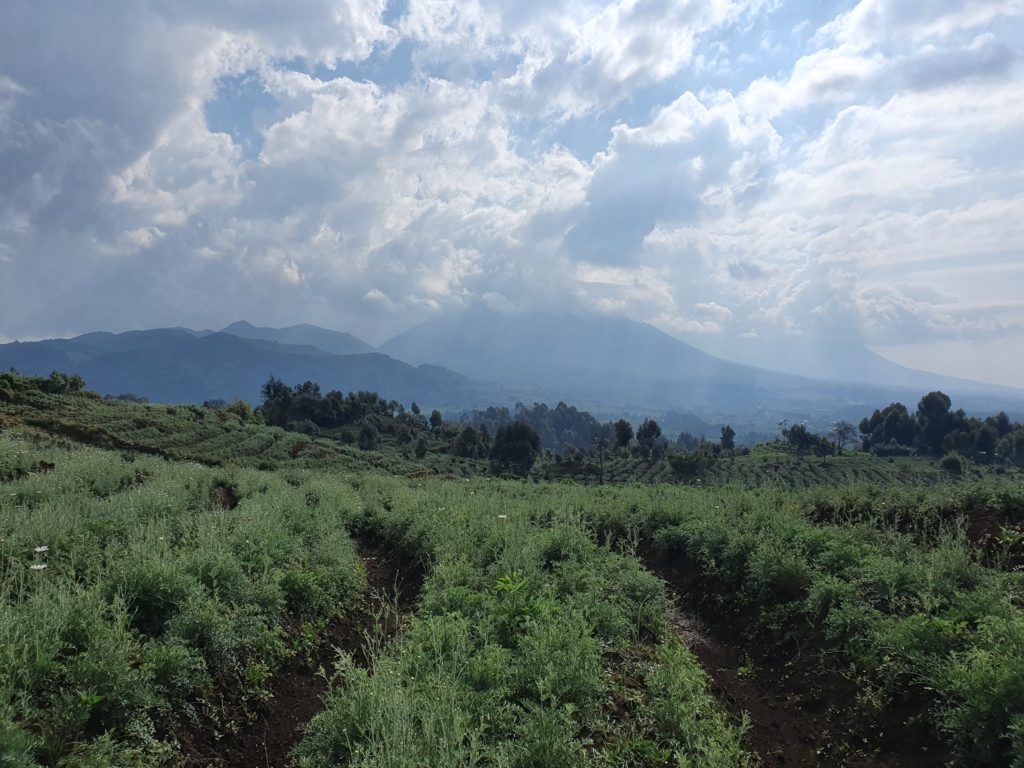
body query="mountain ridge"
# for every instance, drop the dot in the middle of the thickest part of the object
(608, 365)
(175, 366)
(303, 334)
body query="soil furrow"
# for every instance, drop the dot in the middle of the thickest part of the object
(799, 712)
(298, 689)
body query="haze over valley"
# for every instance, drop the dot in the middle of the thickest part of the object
(611, 366)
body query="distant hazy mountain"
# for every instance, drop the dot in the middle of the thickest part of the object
(840, 360)
(332, 342)
(177, 366)
(610, 366)
(620, 362)
(604, 359)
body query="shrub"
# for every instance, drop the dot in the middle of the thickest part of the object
(953, 463)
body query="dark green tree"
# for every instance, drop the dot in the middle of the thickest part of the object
(515, 449)
(647, 437)
(728, 438)
(933, 418)
(467, 444)
(369, 435)
(277, 400)
(623, 433)
(985, 440)
(421, 446)
(436, 419)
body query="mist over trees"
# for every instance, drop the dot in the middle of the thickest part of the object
(559, 427)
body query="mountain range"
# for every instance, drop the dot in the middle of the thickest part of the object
(178, 366)
(609, 365)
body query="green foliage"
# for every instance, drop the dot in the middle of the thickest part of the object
(952, 463)
(647, 438)
(728, 441)
(889, 583)
(516, 651)
(132, 594)
(529, 636)
(935, 428)
(369, 436)
(559, 427)
(421, 447)
(515, 449)
(623, 433)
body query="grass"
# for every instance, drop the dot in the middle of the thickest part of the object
(208, 436)
(532, 646)
(917, 615)
(142, 597)
(766, 465)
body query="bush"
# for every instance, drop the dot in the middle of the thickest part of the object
(953, 463)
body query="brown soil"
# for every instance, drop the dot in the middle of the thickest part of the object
(1000, 540)
(224, 496)
(800, 712)
(276, 728)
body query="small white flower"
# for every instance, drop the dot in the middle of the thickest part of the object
(41, 549)
(503, 517)
(38, 567)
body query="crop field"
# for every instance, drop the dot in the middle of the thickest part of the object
(162, 611)
(763, 466)
(144, 598)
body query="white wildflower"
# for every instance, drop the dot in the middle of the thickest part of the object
(41, 549)
(503, 517)
(38, 567)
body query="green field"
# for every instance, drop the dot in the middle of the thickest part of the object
(164, 569)
(765, 465)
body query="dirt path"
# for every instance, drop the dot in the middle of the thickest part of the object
(298, 688)
(799, 714)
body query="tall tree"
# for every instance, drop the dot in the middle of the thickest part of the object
(843, 434)
(623, 433)
(647, 437)
(933, 417)
(515, 449)
(602, 440)
(728, 438)
(277, 400)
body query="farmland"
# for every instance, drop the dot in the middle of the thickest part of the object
(173, 578)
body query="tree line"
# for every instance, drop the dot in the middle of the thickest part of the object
(935, 429)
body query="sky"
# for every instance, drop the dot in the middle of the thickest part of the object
(720, 169)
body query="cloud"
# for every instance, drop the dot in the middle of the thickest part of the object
(563, 59)
(411, 160)
(691, 157)
(874, 20)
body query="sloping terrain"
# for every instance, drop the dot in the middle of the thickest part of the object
(303, 335)
(607, 363)
(178, 367)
